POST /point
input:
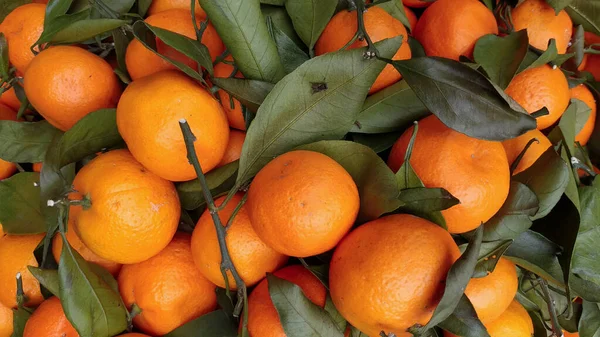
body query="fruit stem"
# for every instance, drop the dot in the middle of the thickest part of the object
(362, 31)
(21, 298)
(556, 330)
(226, 263)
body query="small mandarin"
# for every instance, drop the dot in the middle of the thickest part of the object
(570, 334)
(542, 24)
(231, 106)
(6, 321)
(49, 320)
(234, 147)
(10, 99)
(582, 93)
(158, 6)
(515, 146)
(37, 167)
(417, 3)
(514, 322)
(22, 28)
(411, 16)
(7, 169)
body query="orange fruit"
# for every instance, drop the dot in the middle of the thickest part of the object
(168, 288)
(16, 253)
(1, 231)
(148, 118)
(234, 147)
(474, 171)
(231, 106)
(263, 319)
(400, 260)
(10, 99)
(515, 146)
(302, 203)
(411, 16)
(158, 6)
(582, 93)
(379, 25)
(6, 321)
(252, 258)
(450, 28)
(541, 87)
(570, 334)
(49, 320)
(22, 28)
(37, 167)
(65, 83)
(542, 24)
(142, 62)
(7, 169)
(491, 295)
(514, 322)
(133, 213)
(593, 61)
(84, 251)
(416, 3)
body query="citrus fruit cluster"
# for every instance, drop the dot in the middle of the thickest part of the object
(273, 168)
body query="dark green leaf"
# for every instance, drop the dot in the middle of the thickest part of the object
(416, 47)
(4, 62)
(55, 25)
(546, 56)
(376, 183)
(424, 200)
(463, 321)
(585, 263)
(589, 324)
(90, 303)
(83, 30)
(515, 215)
(20, 207)
(396, 9)
(119, 6)
(220, 180)
(559, 5)
(282, 20)
(121, 40)
(291, 55)
(456, 282)
(214, 324)
(25, 142)
(501, 57)
(585, 13)
(242, 28)
(335, 315)
(273, 2)
(489, 255)
(310, 18)
(47, 278)
(354, 332)
(7, 6)
(464, 99)
(547, 178)
(294, 113)
(56, 8)
(20, 317)
(299, 316)
(582, 114)
(143, 6)
(251, 93)
(378, 142)
(391, 109)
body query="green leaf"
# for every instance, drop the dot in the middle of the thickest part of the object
(582, 114)
(378, 142)
(547, 178)
(424, 200)
(299, 316)
(456, 282)
(54, 25)
(7, 6)
(391, 109)
(291, 55)
(354, 332)
(213, 324)
(20, 317)
(585, 263)
(534, 61)
(589, 324)
(310, 18)
(515, 215)
(20, 207)
(84, 30)
(219, 180)
(90, 303)
(273, 2)
(142, 33)
(143, 6)
(119, 6)
(25, 142)
(501, 57)
(318, 101)
(489, 255)
(242, 28)
(585, 13)
(335, 315)
(121, 40)
(4, 62)
(463, 321)
(376, 183)
(251, 93)
(280, 18)
(47, 278)
(464, 99)
(396, 9)
(559, 5)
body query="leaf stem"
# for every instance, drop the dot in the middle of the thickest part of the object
(226, 263)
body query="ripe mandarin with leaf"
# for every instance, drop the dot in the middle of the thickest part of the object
(582, 93)
(22, 28)
(49, 320)
(6, 168)
(543, 24)
(514, 322)
(515, 146)
(234, 147)
(231, 106)
(158, 6)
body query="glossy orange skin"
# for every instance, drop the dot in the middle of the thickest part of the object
(252, 258)
(49, 320)
(134, 213)
(400, 260)
(514, 322)
(84, 251)
(16, 253)
(515, 146)
(302, 203)
(474, 171)
(143, 62)
(6, 321)
(22, 28)
(411, 16)
(379, 25)
(263, 319)
(582, 93)
(7, 169)
(148, 118)
(10, 99)
(234, 147)
(541, 87)
(1, 231)
(450, 28)
(570, 334)
(416, 3)
(65, 83)
(491, 295)
(168, 288)
(158, 6)
(593, 61)
(542, 24)
(37, 167)
(235, 115)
